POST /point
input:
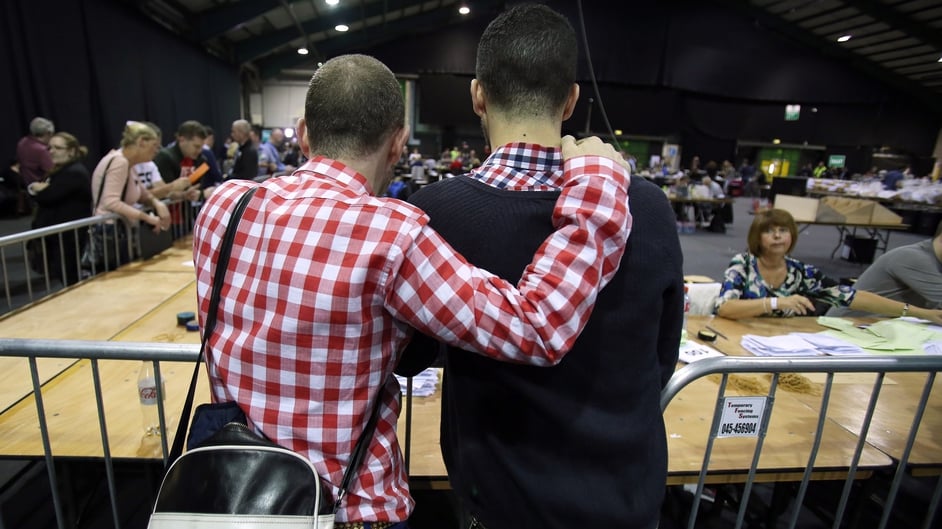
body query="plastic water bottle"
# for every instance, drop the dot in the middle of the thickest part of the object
(147, 393)
(683, 332)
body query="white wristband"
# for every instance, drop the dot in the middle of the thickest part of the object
(774, 303)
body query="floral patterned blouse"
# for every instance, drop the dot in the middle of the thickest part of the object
(743, 281)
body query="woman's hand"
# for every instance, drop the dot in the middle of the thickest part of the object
(795, 305)
(935, 316)
(151, 219)
(163, 214)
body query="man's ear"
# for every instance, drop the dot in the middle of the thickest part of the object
(478, 102)
(399, 140)
(302, 139)
(571, 101)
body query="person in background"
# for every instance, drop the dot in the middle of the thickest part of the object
(179, 160)
(63, 196)
(750, 182)
(765, 281)
(534, 446)
(245, 156)
(32, 151)
(213, 176)
(269, 159)
(911, 274)
(120, 190)
(12, 190)
(893, 180)
(148, 173)
(332, 278)
(806, 170)
(820, 171)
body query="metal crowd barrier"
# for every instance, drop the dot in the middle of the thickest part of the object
(18, 272)
(879, 366)
(94, 351)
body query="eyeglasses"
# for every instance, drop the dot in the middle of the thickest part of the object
(777, 230)
(58, 148)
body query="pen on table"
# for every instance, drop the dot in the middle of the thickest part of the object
(718, 333)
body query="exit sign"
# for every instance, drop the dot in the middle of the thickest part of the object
(792, 112)
(836, 160)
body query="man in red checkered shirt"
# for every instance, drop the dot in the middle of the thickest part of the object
(326, 279)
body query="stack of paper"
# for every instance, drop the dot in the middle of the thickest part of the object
(829, 345)
(423, 384)
(787, 345)
(896, 336)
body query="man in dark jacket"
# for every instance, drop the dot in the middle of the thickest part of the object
(581, 444)
(245, 166)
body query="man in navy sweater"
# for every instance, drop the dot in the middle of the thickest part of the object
(581, 444)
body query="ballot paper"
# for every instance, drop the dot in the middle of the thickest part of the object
(786, 345)
(933, 347)
(692, 351)
(898, 336)
(423, 384)
(830, 345)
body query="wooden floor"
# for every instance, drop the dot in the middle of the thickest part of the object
(137, 303)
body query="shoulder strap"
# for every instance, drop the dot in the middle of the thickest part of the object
(101, 186)
(360, 450)
(222, 262)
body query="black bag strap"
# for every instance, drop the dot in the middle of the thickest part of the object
(222, 262)
(219, 274)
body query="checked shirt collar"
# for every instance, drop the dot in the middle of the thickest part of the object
(522, 167)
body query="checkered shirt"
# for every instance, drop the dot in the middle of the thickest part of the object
(325, 280)
(522, 167)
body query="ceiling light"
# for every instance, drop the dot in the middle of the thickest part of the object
(843, 38)
(289, 133)
(464, 10)
(332, 2)
(776, 141)
(940, 59)
(342, 27)
(302, 51)
(618, 132)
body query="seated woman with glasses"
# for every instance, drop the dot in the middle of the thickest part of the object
(765, 281)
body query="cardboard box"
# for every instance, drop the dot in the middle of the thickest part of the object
(803, 209)
(845, 210)
(882, 215)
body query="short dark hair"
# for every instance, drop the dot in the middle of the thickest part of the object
(191, 128)
(353, 105)
(767, 219)
(938, 229)
(526, 61)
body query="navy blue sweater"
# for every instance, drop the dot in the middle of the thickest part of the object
(581, 444)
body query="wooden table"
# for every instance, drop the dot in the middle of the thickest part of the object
(688, 418)
(850, 394)
(788, 444)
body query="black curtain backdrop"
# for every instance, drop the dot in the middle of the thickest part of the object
(91, 65)
(701, 72)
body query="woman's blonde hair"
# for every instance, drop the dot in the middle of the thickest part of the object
(72, 144)
(135, 130)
